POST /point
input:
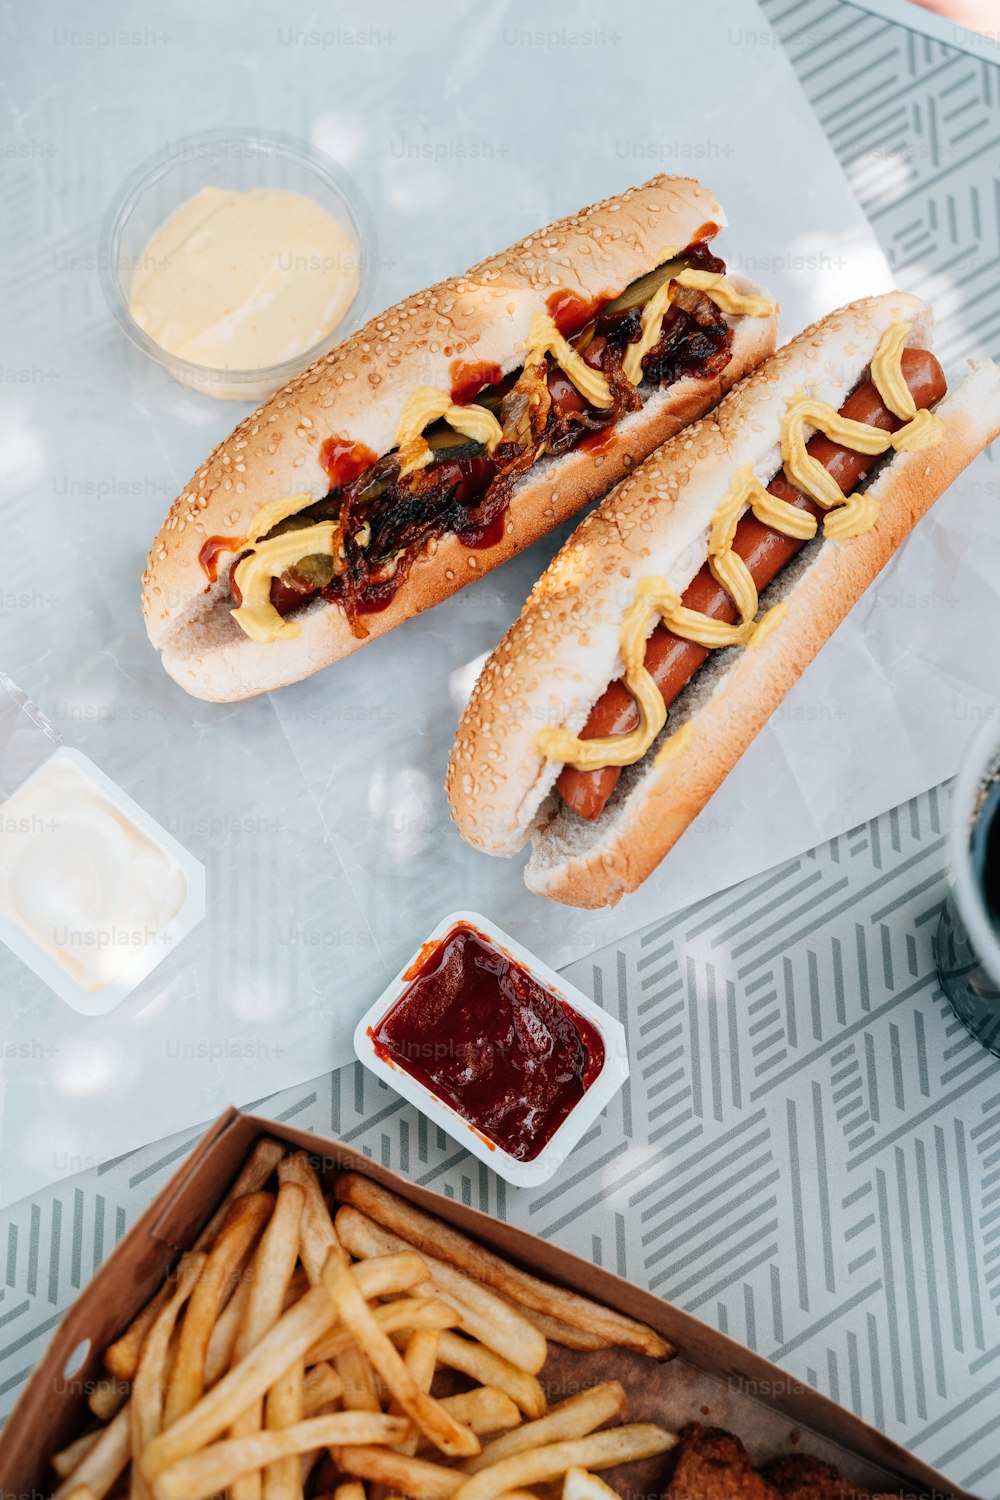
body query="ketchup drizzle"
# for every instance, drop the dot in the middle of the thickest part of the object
(344, 460)
(212, 549)
(469, 377)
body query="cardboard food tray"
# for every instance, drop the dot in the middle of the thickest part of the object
(713, 1380)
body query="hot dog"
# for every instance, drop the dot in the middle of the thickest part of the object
(673, 661)
(445, 436)
(645, 659)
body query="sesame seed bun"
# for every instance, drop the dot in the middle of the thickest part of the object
(556, 661)
(359, 390)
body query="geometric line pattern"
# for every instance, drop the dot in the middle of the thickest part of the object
(807, 1155)
(916, 126)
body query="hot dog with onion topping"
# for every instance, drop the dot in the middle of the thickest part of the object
(448, 434)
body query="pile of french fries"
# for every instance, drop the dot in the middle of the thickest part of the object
(293, 1350)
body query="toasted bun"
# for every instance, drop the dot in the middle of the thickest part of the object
(208, 654)
(559, 657)
(359, 390)
(596, 864)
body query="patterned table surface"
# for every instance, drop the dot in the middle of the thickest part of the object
(808, 1153)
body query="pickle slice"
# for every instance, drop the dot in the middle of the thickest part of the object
(312, 572)
(445, 442)
(638, 293)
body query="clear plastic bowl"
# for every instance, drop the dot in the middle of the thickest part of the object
(238, 159)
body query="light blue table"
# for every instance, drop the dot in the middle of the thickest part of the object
(808, 1155)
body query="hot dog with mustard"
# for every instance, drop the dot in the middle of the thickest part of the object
(446, 435)
(680, 612)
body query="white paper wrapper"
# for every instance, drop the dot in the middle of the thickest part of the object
(319, 814)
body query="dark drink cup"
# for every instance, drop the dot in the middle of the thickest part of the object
(968, 937)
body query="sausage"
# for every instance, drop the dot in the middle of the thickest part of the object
(672, 661)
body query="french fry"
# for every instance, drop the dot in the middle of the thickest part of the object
(447, 1434)
(214, 1468)
(273, 1264)
(149, 1385)
(69, 1457)
(262, 1369)
(572, 1418)
(286, 1342)
(101, 1467)
(240, 1230)
(485, 1316)
(253, 1175)
(219, 1354)
(443, 1242)
(283, 1408)
(223, 1341)
(360, 1383)
(122, 1357)
(321, 1395)
(409, 1313)
(581, 1485)
(600, 1450)
(323, 1386)
(243, 1383)
(420, 1359)
(109, 1396)
(318, 1234)
(414, 1477)
(485, 1409)
(490, 1369)
(558, 1332)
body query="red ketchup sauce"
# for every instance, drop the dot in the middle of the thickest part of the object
(344, 460)
(570, 312)
(211, 551)
(482, 1034)
(469, 377)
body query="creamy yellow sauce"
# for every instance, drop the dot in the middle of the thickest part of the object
(426, 405)
(244, 281)
(850, 516)
(257, 616)
(716, 288)
(544, 338)
(674, 743)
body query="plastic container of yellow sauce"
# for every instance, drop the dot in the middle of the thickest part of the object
(235, 259)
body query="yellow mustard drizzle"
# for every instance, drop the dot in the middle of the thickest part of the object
(274, 512)
(851, 515)
(887, 371)
(674, 744)
(923, 429)
(808, 474)
(544, 338)
(426, 405)
(649, 332)
(257, 616)
(725, 296)
(716, 288)
(769, 620)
